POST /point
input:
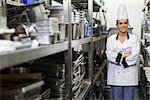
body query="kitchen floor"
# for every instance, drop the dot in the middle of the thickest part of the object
(138, 94)
(107, 94)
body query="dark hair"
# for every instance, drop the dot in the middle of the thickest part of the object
(118, 20)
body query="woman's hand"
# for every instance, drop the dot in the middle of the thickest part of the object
(126, 54)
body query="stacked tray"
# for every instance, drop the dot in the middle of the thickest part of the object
(78, 74)
(20, 90)
(55, 77)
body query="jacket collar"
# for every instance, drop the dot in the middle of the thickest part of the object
(118, 35)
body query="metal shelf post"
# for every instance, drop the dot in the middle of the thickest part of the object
(67, 15)
(90, 53)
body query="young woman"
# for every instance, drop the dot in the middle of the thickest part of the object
(122, 50)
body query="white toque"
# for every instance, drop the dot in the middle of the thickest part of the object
(122, 12)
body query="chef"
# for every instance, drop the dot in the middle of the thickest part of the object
(122, 50)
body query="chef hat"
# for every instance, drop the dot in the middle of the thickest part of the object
(122, 12)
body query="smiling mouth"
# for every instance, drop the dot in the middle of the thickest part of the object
(123, 29)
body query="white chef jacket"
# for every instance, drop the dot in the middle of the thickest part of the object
(118, 75)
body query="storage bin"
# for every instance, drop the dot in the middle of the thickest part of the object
(27, 1)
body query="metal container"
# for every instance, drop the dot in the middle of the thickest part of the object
(44, 38)
(19, 70)
(3, 16)
(3, 8)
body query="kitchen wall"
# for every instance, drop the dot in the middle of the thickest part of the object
(135, 14)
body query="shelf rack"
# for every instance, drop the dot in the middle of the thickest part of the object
(145, 51)
(28, 54)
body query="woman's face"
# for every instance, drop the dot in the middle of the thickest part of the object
(122, 25)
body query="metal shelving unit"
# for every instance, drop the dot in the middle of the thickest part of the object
(28, 54)
(24, 55)
(80, 41)
(145, 83)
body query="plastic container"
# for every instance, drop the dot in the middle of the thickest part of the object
(27, 1)
(36, 1)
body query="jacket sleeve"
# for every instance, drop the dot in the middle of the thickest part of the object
(112, 55)
(132, 59)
